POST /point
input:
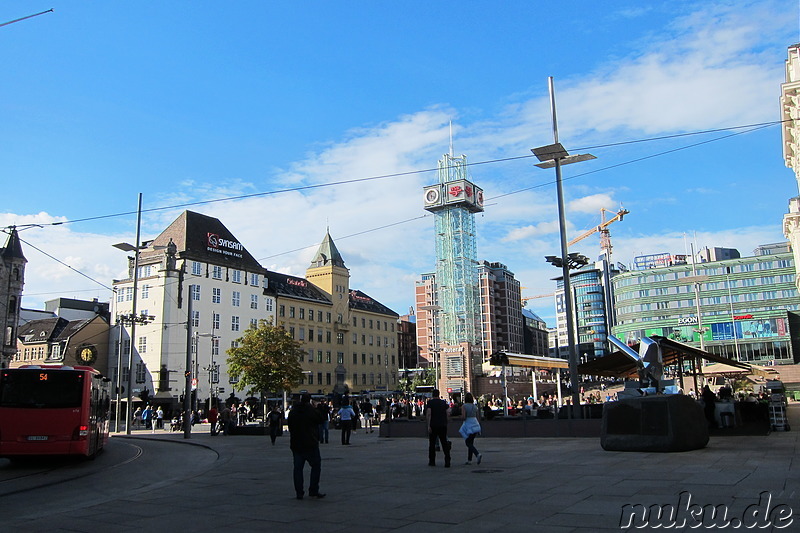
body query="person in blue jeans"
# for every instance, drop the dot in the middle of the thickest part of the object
(325, 410)
(303, 421)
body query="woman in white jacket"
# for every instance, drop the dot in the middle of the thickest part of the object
(470, 428)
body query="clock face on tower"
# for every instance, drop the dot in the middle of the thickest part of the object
(87, 354)
(431, 196)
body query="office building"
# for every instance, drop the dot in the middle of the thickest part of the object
(744, 308)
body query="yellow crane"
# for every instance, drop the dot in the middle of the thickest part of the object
(602, 228)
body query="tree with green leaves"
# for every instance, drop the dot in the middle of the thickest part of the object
(266, 359)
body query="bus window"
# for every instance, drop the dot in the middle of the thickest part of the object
(41, 388)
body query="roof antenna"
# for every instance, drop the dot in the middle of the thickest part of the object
(451, 138)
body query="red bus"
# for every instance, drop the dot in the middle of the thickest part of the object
(53, 410)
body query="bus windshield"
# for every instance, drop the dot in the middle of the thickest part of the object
(41, 388)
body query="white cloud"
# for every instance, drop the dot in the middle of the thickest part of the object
(707, 69)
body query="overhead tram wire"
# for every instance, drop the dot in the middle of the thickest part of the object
(751, 128)
(59, 261)
(423, 171)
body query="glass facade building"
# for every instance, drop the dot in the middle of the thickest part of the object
(744, 308)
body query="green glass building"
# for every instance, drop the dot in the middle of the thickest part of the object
(745, 308)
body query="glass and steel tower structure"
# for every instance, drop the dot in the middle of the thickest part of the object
(454, 202)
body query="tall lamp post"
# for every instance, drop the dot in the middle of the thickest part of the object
(124, 246)
(129, 319)
(555, 155)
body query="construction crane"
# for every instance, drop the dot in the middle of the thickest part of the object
(605, 236)
(526, 298)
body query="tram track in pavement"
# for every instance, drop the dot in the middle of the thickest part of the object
(73, 468)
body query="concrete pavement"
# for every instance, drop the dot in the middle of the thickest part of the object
(543, 484)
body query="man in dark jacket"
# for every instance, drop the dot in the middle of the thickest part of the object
(303, 421)
(436, 412)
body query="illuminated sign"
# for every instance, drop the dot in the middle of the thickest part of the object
(224, 246)
(688, 320)
(298, 282)
(361, 298)
(742, 317)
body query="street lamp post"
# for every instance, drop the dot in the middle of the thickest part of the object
(127, 247)
(555, 155)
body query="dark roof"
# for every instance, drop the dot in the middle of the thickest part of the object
(204, 238)
(293, 287)
(73, 327)
(44, 330)
(362, 302)
(618, 364)
(13, 248)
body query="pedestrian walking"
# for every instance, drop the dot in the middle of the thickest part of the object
(346, 416)
(436, 411)
(470, 427)
(147, 416)
(275, 420)
(325, 410)
(304, 420)
(213, 414)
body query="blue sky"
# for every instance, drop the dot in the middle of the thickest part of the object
(194, 101)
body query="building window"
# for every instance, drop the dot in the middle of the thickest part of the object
(268, 304)
(195, 292)
(128, 294)
(355, 338)
(195, 319)
(291, 331)
(254, 280)
(236, 276)
(340, 338)
(319, 356)
(197, 268)
(363, 359)
(291, 311)
(215, 348)
(120, 295)
(328, 318)
(145, 291)
(319, 316)
(311, 379)
(328, 378)
(214, 320)
(216, 272)
(302, 313)
(254, 323)
(319, 378)
(340, 358)
(234, 323)
(141, 372)
(216, 295)
(355, 358)
(328, 336)
(310, 335)
(254, 301)
(328, 357)
(311, 315)
(236, 298)
(281, 310)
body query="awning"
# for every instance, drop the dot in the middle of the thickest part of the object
(535, 361)
(619, 365)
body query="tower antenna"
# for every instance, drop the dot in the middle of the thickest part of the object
(451, 138)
